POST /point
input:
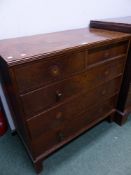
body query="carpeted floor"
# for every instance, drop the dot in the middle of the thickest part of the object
(104, 150)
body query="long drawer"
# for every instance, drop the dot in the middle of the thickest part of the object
(58, 115)
(36, 101)
(36, 74)
(74, 127)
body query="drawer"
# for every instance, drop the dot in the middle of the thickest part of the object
(36, 74)
(67, 111)
(43, 98)
(73, 128)
(106, 52)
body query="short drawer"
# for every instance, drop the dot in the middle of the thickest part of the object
(36, 74)
(68, 111)
(107, 52)
(73, 128)
(41, 99)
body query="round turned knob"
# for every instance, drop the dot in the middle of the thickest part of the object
(55, 71)
(58, 95)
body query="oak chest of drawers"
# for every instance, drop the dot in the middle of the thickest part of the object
(59, 85)
(122, 24)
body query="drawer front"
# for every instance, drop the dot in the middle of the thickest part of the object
(68, 111)
(73, 128)
(107, 52)
(46, 97)
(36, 74)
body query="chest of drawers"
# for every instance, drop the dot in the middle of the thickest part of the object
(59, 85)
(122, 24)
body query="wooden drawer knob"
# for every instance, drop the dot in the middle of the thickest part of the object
(58, 95)
(55, 71)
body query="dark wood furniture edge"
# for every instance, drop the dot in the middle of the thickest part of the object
(38, 166)
(110, 26)
(125, 83)
(121, 117)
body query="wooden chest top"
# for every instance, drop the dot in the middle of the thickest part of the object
(24, 49)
